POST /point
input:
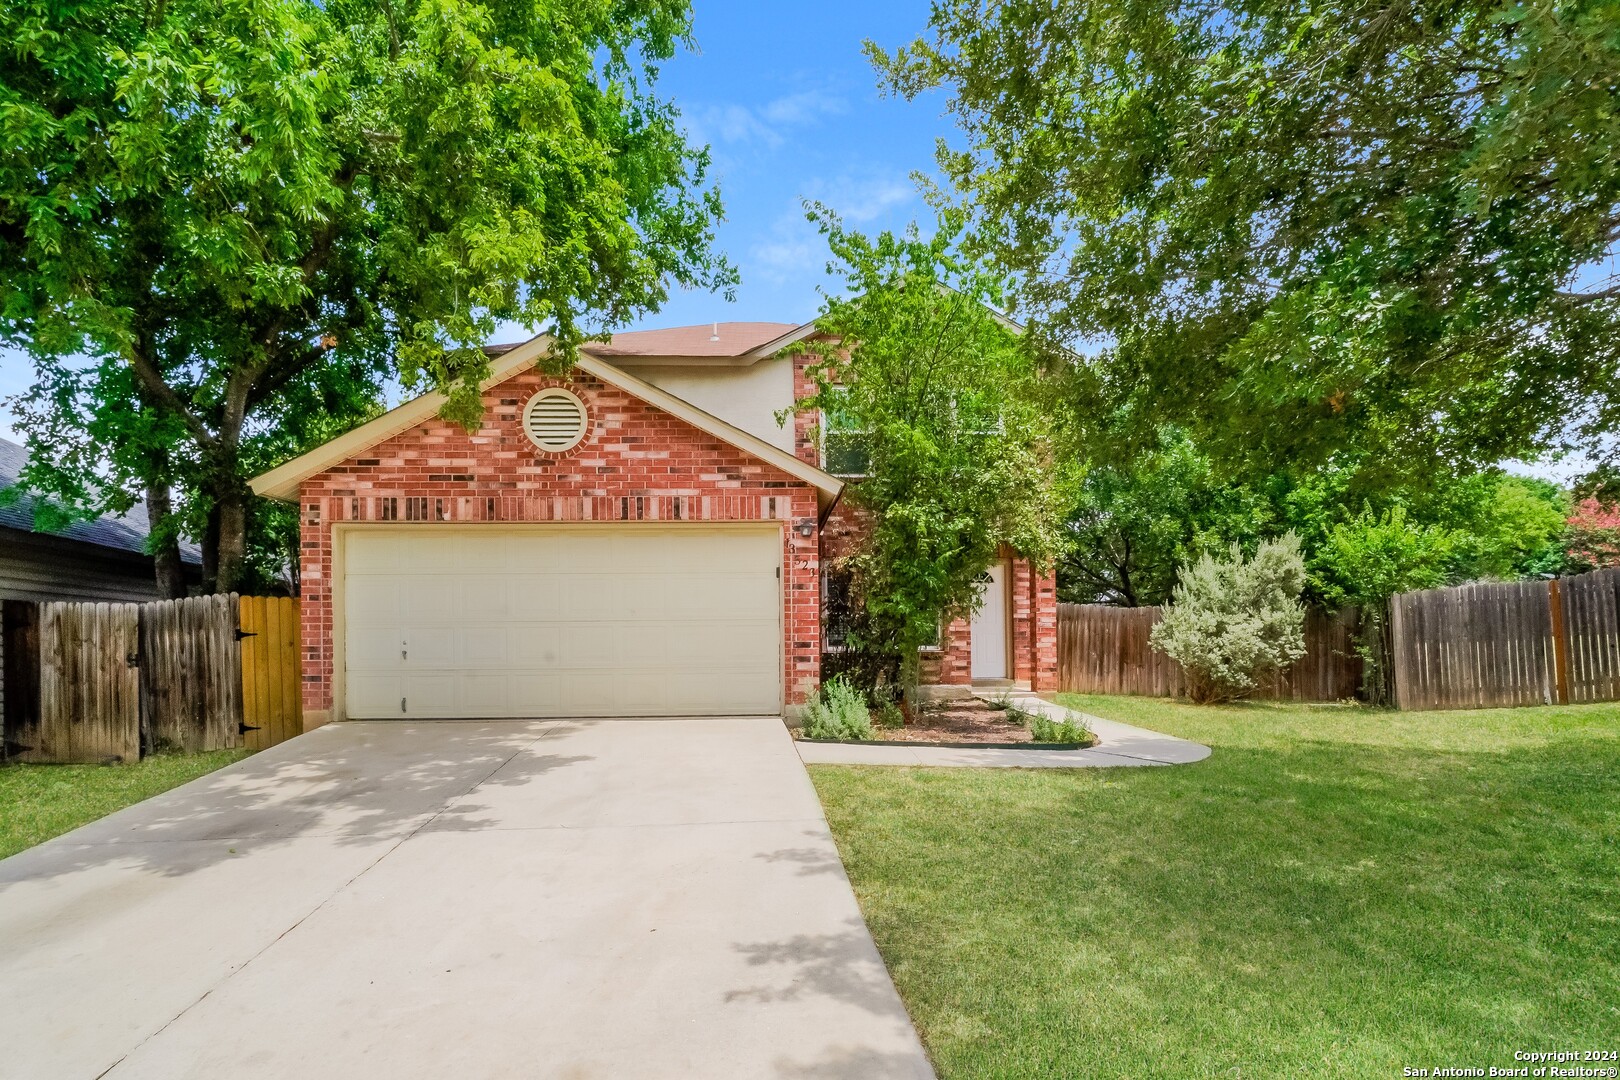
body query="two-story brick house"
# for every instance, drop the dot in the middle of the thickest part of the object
(644, 537)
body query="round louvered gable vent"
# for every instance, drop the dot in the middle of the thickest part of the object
(554, 420)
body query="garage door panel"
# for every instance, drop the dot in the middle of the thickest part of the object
(429, 693)
(485, 598)
(733, 598)
(381, 557)
(490, 554)
(648, 642)
(372, 601)
(590, 646)
(422, 598)
(430, 648)
(377, 651)
(484, 647)
(536, 645)
(433, 554)
(562, 621)
(485, 695)
(373, 694)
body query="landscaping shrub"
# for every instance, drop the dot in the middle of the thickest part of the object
(890, 715)
(1235, 620)
(1043, 729)
(838, 712)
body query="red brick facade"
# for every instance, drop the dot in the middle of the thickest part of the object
(636, 464)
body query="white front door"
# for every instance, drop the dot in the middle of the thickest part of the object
(990, 625)
(564, 620)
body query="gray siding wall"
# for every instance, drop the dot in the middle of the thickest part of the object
(35, 567)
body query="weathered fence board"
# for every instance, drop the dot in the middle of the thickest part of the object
(272, 694)
(19, 676)
(1105, 650)
(99, 682)
(191, 676)
(89, 684)
(1491, 644)
(1592, 607)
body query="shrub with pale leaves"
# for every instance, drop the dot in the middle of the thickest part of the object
(1233, 621)
(838, 712)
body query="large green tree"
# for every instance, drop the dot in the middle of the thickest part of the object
(1297, 228)
(1134, 523)
(233, 208)
(939, 408)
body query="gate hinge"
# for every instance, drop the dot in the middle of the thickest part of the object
(241, 633)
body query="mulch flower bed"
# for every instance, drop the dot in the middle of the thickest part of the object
(958, 720)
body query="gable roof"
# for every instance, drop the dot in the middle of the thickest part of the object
(710, 340)
(792, 335)
(120, 532)
(283, 481)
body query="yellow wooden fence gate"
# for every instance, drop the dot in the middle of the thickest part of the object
(272, 692)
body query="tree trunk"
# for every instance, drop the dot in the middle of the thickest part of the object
(210, 551)
(230, 509)
(170, 571)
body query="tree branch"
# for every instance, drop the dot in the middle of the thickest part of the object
(164, 394)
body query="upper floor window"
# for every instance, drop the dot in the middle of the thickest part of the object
(845, 443)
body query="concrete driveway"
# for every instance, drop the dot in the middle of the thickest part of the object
(467, 900)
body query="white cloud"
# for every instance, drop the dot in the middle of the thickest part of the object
(763, 125)
(860, 201)
(805, 107)
(794, 250)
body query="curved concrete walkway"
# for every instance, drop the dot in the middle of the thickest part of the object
(1118, 745)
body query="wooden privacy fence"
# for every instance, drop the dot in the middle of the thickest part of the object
(1509, 643)
(191, 677)
(272, 690)
(90, 690)
(1105, 650)
(105, 682)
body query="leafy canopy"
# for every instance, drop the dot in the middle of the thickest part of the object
(1593, 535)
(1303, 228)
(954, 431)
(225, 197)
(1133, 523)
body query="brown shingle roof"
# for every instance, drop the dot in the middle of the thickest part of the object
(735, 339)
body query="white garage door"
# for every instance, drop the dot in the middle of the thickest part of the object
(561, 621)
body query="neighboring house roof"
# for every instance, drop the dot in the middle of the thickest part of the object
(710, 340)
(283, 481)
(121, 532)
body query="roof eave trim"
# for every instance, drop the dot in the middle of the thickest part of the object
(283, 481)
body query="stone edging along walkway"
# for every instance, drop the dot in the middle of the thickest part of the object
(1117, 745)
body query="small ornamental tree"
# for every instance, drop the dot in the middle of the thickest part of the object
(1592, 536)
(1365, 561)
(934, 406)
(1233, 621)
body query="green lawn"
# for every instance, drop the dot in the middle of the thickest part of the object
(38, 802)
(1338, 891)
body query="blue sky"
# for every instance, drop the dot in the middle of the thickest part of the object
(791, 108)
